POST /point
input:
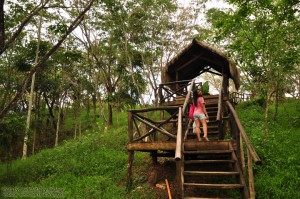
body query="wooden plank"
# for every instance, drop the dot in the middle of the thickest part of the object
(195, 145)
(208, 152)
(178, 152)
(130, 126)
(216, 173)
(152, 146)
(251, 177)
(204, 198)
(152, 109)
(207, 161)
(220, 186)
(176, 82)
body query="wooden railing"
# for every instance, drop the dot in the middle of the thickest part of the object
(240, 97)
(241, 137)
(153, 126)
(220, 113)
(170, 91)
(181, 137)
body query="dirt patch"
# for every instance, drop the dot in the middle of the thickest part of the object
(157, 175)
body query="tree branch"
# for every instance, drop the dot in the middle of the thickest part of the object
(21, 27)
(21, 91)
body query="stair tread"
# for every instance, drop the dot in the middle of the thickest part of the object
(221, 186)
(207, 161)
(203, 198)
(207, 151)
(211, 173)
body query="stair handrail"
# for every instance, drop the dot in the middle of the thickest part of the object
(251, 153)
(188, 96)
(178, 152)
(220, 108)
(179, 142)
(179, 139)
(244, 135)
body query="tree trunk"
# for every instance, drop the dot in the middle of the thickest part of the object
(110, 114)
(61, 105)
(94, 109)
(32, 89)
(2, 27)
(268, 100)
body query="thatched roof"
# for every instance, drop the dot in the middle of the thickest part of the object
(197, 58)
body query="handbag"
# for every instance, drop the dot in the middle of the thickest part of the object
(191, 111)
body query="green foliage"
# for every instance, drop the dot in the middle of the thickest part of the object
(264, 39)
(95, 166)
(205, 88)
(11, 131)
(25, 60)
(277, 177)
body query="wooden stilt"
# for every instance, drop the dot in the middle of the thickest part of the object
(129, 174)
(154, 157)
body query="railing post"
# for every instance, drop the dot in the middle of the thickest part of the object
(178, 154)
(161, 98)
(242, 155)
(251, 177)
(131, 152)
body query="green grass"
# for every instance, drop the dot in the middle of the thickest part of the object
(94, 166)
(278, 176)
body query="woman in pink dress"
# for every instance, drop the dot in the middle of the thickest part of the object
(200, 114)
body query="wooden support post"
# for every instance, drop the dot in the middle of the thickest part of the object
(154, 157)
(160, 94)
(130, 153)
(242, 155)
(129, 173)
(177, 78)
(250, 174)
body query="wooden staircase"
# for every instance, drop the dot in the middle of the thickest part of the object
(211, 169)
(205, 169)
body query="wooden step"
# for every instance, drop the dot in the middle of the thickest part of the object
(210, 132)
(207, 161)
(203, 198)
(218, 186)
(208, 152)
(215, 173)
(206, 145)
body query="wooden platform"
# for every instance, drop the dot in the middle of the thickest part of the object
(190, 145)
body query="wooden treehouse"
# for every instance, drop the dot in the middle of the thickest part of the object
(219, 168)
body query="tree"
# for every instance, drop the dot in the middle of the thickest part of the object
(262, 36)
(43, 59)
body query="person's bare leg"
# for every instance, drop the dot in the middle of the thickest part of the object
(197, 129)
(204, 124)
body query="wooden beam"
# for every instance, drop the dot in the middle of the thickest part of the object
(178, 152)
(152, 109)
(151, 146)
(176, 82)
(189, 62)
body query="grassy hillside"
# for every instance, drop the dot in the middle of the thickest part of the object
(95, 166)
(278, 176)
